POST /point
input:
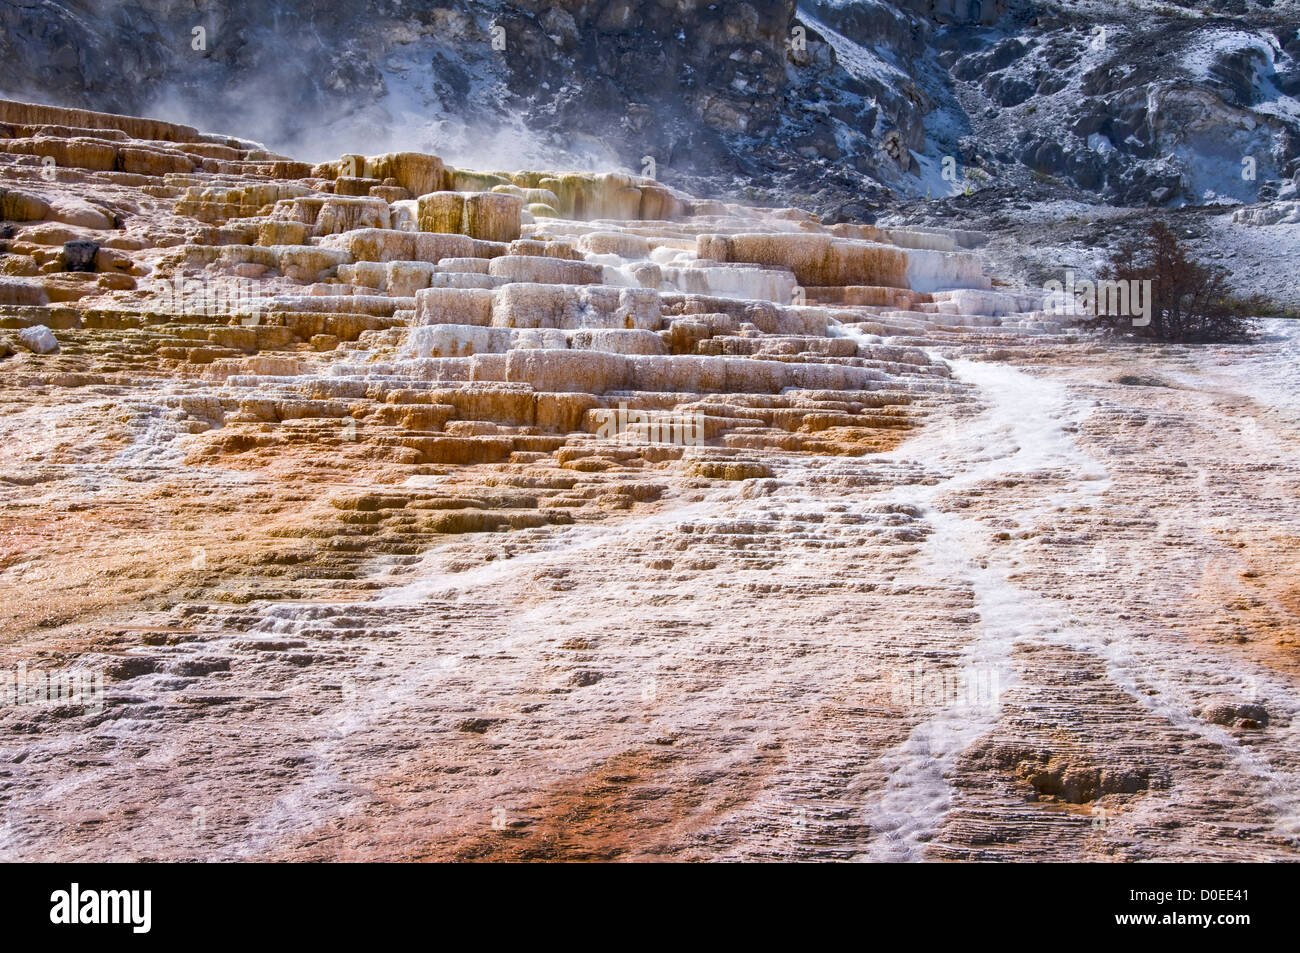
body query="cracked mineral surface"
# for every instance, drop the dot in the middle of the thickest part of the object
(389, 510)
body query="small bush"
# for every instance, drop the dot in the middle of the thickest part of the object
(1190, 301)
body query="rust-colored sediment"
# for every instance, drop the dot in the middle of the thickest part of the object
(349, 605)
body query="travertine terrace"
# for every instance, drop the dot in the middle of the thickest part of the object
(415, 512)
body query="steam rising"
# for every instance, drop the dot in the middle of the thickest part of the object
(310, 82)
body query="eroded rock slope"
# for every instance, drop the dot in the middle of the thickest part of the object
(411, 511)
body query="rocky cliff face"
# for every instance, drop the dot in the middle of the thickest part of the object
(1144, 107)
(832, 104)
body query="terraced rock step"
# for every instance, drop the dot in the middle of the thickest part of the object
(388, 496)
(438, 316)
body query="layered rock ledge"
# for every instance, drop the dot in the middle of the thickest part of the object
(409, 511)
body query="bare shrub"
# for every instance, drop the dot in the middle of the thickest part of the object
(1191, 301)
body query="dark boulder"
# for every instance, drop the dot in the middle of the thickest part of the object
(79, 255)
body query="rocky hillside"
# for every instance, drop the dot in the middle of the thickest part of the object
(839, 106)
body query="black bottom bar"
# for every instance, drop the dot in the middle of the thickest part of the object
(935, 903)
